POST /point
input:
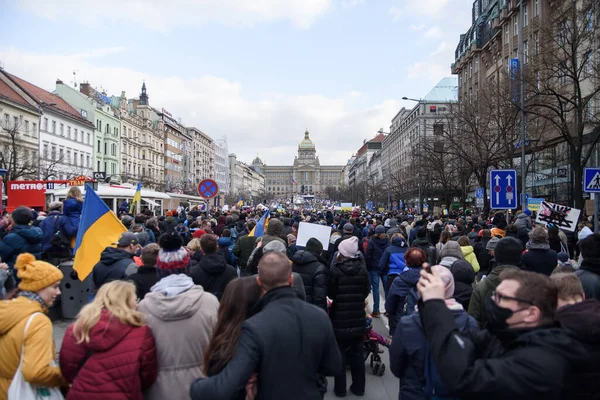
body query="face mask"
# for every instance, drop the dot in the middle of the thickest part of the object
(496, 316)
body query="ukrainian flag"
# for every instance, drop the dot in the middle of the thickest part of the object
(137, 197)
(99, 228)
(241, 202)
(261, 225)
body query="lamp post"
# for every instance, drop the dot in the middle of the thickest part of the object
(2, 173)
(389, 202)
(419, 101)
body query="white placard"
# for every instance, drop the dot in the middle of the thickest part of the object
(564, 217)
(307, 230)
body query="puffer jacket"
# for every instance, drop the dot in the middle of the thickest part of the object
(49, 226)
(392, 259)
(121, 361)
(349, 286)
(213, 273)
(21, 239)
(168, 225)
(464, 276)
(314, 276)
(113, 265)
(242, 250)
(470, 257)
(523, 221)
(39, 347)
(375, 250)
(72, 212)
(400, 294)
(182, 327)
(225, 246)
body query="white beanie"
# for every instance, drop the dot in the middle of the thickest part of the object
(349, 247)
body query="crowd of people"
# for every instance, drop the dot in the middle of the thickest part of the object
(194, 304)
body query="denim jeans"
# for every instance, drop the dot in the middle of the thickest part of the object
(375, 276)
(353, 354)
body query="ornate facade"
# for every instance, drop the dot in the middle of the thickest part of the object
(305, 176)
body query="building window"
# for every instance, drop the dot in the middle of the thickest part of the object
(525, 14)
(588, 62)
(26, 127)
(105, 169)
(105, 148)
(98, 147)
(536, 8)
(526, 51)
(54, 127)
(99, 170)
(506, 33)
(87, 161)
(99, 125)
(81, 160)
(53, 153)
(107, 128)
(515, 53)
(61, 130)
(470, 69)
(34, 129)
(89, 138)
(515, 25)
(69, 133)
(476, 63)
(61, 154)
(46, 124)
(536, 39)
(45, 150)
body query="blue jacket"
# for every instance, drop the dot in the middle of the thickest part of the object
(407, 354)
(392, 259)
(396, 297)
(72, 212)
(49, 226)
(21, 239)
(226, 247)
(375, 250)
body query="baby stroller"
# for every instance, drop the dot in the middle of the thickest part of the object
(371, 349)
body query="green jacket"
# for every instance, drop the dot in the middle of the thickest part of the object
(484, 289)
(243, 248)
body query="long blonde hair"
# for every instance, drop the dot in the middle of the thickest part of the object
(117, 297)
(75, 193)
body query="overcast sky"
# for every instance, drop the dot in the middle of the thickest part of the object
(259, 72)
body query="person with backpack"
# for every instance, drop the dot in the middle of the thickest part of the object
(410, 357)
(375, 249)
(402, 297)
(392, 259)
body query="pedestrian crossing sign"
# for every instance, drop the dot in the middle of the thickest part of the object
(591, 181)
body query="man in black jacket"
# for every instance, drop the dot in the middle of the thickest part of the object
(146, 276)
(589, 270)
(243, 248)
(521, 354)
(116, 262)
(311, 267)
(212, 272)
(287, 344)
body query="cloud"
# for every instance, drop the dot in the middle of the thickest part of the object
(162, 16)
(416, 28)
(420, 8)
(434, 33)
(355, 94)
(272, 124)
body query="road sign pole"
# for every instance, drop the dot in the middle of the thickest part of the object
(596, 201)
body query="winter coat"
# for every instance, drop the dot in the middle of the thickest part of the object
(143, 279)
(525, 363)
(470, 257)
(243, 248)
(21, 239)
(375, 250)
(589, 275)
(213, 273)
(72, 212)
(349, 286)
(482, 254)
(49, 226)
(286, 329)
(224, 243)
(168, 225)
(427, 247)
(582, 321)
(523, 221)
(464, 276)
(121, 361)
(112, 266)
(392, 259)
(39, 349)
(482, 291)
(409, 350)
(182, 327)
(399, 295)
(541, 260)
(221, 224)
(314, 276)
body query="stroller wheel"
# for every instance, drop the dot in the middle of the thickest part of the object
(381, 371)
(376, 369)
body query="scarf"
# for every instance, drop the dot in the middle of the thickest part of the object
(34, 297)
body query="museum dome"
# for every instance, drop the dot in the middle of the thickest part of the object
(257, 161)
(306, 144)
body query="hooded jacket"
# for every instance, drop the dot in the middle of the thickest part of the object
(21, 239)
(526, 363)
(539, 258)
(121, 361)
(224, 244)
(427, 247)
(168, 225)
(589, 275)
(470, 257)
(213, 273)
(409, 350)
(39, 349)
(398, 293)
(523, 221)
(375, 249)
(392, 261)
(349, 286)
(582, 321)
(221, 224)
(314, 276)
(112, 266)
(464, 276)
(243, 249)
(72, 212)
(182, 327)
(49, 226)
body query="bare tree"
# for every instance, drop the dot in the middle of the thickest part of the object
(14, 154)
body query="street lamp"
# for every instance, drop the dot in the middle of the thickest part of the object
(420, 102)
(389, 207)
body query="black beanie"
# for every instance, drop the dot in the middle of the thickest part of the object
(22, 216)
(508, 251)
(314, 246)
(590, 246)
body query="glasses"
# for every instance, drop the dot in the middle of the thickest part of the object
(498, 297)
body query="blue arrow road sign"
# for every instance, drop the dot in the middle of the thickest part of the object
(503, 188)
(479, 193)
(591, 180)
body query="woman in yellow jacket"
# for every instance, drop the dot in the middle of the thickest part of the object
(468, 252)
(39, 287)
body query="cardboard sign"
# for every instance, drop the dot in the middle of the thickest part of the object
(534, 204)
(307, 230)
(563, 217)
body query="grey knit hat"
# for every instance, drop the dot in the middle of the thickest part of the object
(452, 249)
(491, 245)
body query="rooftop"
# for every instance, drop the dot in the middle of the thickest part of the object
(6, 92)
(444, 92)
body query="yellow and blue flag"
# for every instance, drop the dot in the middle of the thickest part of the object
(240, 203)
(99, 228)
(261, 225)
(137, 197)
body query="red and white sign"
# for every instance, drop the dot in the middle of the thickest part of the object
(33, 193)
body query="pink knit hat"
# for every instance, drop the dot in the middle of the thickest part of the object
(349, 247)
(446, 277)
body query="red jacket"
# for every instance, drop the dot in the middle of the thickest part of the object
(121, 362)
